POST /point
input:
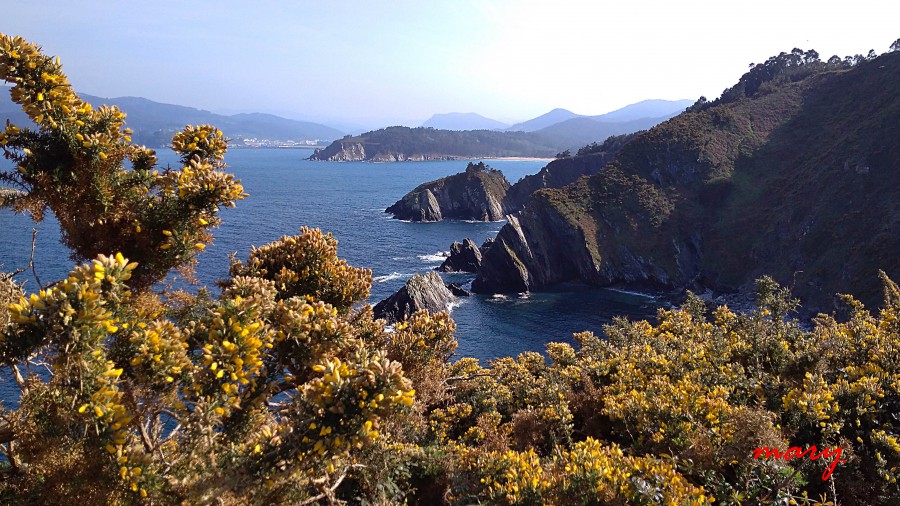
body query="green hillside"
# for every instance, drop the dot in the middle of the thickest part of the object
(793, 172)
(400, 143)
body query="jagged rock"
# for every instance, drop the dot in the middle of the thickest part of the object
(422, 291)
(486, 245)
(476, 194)
(458, 290)
(464, 257)
(429, 209)
(341, 151)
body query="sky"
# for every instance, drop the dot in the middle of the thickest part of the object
(372, 64)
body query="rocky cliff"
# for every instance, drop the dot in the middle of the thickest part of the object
(476, 194)
(341, 151)
(464, 257)
(794, 172)
(422, 291)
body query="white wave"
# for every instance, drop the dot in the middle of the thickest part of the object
(388, 277)
(524, 295)
(499, 296)
(435, 258)
(453, 305)
(630, 292)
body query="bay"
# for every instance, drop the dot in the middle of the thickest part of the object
(348, 199)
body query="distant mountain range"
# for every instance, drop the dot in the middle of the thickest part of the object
(643, 115)
(543, 121)
(154, 123)
(643, 110)
(463, 121)
(545, 136)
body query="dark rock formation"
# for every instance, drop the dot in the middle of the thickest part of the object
(458, 290)
(464, 257)
(757, 183)
(476, 194)
(341, 151)
(422, 291)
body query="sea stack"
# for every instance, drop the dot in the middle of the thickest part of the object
(476, 194)
(422, 291)
(464, 257)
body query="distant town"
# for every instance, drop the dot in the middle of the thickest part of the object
(253, 142)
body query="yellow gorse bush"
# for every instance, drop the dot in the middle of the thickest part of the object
(74, 164)
(122, 374)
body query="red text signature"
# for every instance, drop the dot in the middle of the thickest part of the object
(797, 452)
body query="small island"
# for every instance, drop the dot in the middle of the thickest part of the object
(476, 194)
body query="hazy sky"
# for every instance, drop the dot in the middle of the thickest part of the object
(398, 62)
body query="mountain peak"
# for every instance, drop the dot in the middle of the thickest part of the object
(543, 121)
(463, 121)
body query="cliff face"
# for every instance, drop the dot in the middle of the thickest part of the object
(464, 257)
(799, 180)
(476, 194)
(341, 151)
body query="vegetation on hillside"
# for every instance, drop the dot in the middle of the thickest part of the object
(404, 143)
(283, 389)
(792, 173)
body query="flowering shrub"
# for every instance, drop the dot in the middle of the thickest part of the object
(74, 164)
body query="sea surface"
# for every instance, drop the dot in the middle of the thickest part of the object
(348, 199)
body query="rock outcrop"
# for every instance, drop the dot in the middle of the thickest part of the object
(756, 183)
(422, 291)
(341, 151)
(476, 194)
(464, 257)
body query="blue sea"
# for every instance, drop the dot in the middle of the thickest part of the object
(348, 199)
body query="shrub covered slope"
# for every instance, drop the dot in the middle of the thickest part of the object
(794, 172)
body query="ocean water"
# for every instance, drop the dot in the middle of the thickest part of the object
(348, 199)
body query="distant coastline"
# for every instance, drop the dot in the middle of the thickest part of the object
(238, 146)
(514, 158)
(443, 159)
